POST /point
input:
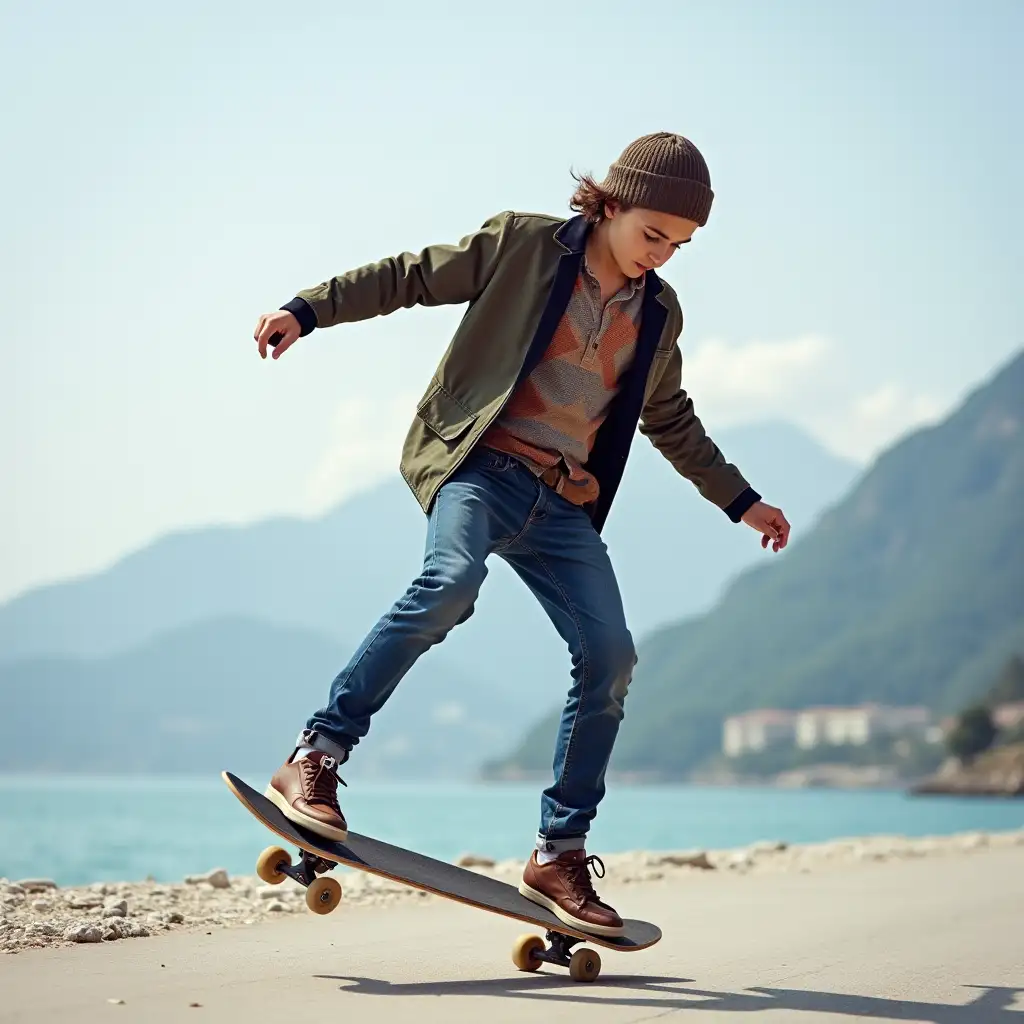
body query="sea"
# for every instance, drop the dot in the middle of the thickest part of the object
(80, 829)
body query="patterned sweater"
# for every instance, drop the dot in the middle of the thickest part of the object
(552, 418)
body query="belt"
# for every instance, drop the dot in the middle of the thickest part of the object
(553, 478)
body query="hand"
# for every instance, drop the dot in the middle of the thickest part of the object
(770, 523)
(280, 322)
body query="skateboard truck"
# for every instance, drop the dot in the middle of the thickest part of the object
(306, 870)
(530, 952)
(322, 894)
(559, 949)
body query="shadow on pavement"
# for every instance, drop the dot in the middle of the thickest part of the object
(991, 1005)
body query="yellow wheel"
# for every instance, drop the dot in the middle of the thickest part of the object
(323, 895)
(523, 952)
(584, 965)
(268, 867)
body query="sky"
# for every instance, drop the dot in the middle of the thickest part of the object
(172, 171)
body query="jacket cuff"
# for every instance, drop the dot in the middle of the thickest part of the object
(303, 312)
(738, 507)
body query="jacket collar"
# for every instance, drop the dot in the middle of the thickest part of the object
(572, 236)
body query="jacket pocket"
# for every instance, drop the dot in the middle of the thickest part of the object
(445, 415)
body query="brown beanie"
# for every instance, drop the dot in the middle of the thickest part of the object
(663, 172)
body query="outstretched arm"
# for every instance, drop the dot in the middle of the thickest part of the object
(674, 428)
(438, 275)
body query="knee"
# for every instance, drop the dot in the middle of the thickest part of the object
(447, 599)
(612, 660)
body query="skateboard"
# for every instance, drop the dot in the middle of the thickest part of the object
(319, 855)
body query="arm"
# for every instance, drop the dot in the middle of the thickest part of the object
(439, 275)
(669, 420)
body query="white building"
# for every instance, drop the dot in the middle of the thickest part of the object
(1008, 716)
(837, 726)
(756, 730)
(821, 726)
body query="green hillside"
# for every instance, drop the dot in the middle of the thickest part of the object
(911, 590)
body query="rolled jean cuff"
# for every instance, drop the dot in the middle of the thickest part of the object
(557, 846)
(311, 738)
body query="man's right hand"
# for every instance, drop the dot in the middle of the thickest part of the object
(279, 322)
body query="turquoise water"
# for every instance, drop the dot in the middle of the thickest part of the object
(79, 829)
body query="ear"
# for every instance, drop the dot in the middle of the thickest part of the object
(611, 208)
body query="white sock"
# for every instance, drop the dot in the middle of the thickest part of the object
(546, 856)
(301, 753)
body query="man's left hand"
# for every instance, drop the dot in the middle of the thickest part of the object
(770, 523)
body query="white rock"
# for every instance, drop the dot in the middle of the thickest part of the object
(218, 878)
(42, 905)
(974, 841)
(474, 860)
(740, 860)
(83, 901)
(276, 907)
(117, 910)
(768, 846)
(37, 884)
(40, 928)
(688, 859)
(83, 933)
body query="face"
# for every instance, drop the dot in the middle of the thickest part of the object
(642, 240)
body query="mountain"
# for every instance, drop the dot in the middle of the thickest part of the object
(910, 590)
(233, 693)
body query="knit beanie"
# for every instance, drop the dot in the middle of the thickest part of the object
(662, 172)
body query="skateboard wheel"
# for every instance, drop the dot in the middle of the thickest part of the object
(268, 866)
(523, 952)
(584, 965)
(323, 895)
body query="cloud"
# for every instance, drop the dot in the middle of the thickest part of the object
(807, 380)
(364, 448)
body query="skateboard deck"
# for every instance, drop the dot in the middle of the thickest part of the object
(320, 854)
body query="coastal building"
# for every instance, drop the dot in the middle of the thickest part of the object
(821, 726)
(1008, 716)
(838, 726)
(755, 730)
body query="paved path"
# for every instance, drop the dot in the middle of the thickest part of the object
(938, 940)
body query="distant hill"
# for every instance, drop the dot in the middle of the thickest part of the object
(233, 693)
(911, 590)
(337, 574)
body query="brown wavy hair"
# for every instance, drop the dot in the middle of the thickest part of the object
(589, 199)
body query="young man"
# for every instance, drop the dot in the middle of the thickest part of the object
(517, 447)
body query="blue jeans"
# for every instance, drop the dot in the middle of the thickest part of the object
(494, 504)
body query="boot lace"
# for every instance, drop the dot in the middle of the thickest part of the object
(577, 877)
(320, 781)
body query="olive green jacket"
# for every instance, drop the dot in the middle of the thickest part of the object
(516, 274)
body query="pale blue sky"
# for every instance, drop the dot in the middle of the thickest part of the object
(172, 171)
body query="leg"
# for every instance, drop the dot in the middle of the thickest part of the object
(565, 563)
(480, 508)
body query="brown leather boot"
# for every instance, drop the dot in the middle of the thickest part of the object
(565, 888)
(306, 791)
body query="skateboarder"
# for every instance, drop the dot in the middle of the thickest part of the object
(517, 447)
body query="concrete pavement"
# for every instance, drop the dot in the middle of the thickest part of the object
(938, 940)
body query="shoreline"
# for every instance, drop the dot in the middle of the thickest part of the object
(36, 913)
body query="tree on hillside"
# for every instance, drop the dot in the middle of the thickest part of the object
(973, 733)
(1009, 686)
